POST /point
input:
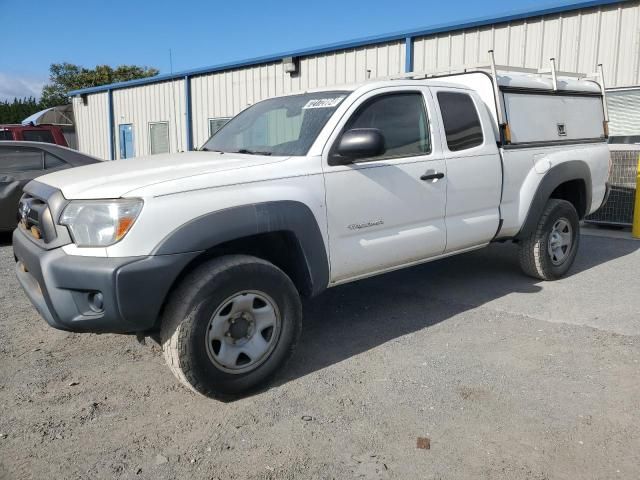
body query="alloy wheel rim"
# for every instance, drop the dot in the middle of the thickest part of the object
(243, 332)
(560, 241)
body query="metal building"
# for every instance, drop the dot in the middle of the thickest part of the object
(177, 112)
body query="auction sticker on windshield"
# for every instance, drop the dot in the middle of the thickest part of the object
(323, 102)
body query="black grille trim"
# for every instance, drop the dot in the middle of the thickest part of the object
(39, 208)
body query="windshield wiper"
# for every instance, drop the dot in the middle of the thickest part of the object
(205, 149)
(251, 152)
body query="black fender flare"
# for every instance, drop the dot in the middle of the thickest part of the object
(556, 176)
(215, 228)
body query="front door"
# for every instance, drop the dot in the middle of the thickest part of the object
(389, 210)
(126, 141)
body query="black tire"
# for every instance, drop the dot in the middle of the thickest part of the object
(535, 259)
(186, 321)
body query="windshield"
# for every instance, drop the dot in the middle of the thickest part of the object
(278, 126)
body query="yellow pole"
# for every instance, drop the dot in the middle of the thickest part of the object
(636, 211)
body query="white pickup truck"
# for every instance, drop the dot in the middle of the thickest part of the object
(208, 252)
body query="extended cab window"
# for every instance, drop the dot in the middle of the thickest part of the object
(38, 136)
(402, 120)
(20, 159)
(461, 123)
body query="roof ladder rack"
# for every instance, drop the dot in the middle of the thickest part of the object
(496, 88)
(554, 76)
(604, 92)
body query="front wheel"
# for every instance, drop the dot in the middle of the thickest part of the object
(549, 252)
(230, 325)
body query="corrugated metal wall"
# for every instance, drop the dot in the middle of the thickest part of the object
(158, 102)
(224, 94)
(577, 40)
(92, 124)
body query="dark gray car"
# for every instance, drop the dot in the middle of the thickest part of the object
(21, 162)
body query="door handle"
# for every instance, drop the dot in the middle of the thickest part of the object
(432, 176)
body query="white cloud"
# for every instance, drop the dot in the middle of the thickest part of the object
(12, 86)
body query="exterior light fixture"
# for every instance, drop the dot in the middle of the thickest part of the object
(290, 65)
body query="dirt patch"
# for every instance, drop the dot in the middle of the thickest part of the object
(499, 393)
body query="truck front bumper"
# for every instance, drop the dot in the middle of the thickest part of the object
(95, 294)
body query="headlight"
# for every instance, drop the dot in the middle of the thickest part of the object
(100, 223)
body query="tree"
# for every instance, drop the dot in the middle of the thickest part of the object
(18, 109)
(65, 77)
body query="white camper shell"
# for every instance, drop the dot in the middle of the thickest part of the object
(534, 108)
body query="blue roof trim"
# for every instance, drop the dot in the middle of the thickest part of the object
(377, 39)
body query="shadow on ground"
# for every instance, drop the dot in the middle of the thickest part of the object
(5, 239)
(347, 320)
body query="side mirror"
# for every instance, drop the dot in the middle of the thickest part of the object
(358, 143)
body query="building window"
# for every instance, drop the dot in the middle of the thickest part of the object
(461, 123)
(216, 124)
(624, 115)
(159, 137)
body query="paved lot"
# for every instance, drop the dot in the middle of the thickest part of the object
(508, 377)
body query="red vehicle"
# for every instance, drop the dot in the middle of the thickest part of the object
(33, 133)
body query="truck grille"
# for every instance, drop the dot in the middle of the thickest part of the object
(35, 218)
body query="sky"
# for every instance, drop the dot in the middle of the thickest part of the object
(34, 34)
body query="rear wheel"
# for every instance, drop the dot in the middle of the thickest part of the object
(230, 325)
(549, 252)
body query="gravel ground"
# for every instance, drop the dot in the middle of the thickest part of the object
(509, 379)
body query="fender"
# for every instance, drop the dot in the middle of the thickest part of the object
(215, 228)
(556, 176)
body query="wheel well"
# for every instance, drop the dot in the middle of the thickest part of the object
(280, 248)
(574, 192)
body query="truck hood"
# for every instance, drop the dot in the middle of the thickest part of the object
(115, 179)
